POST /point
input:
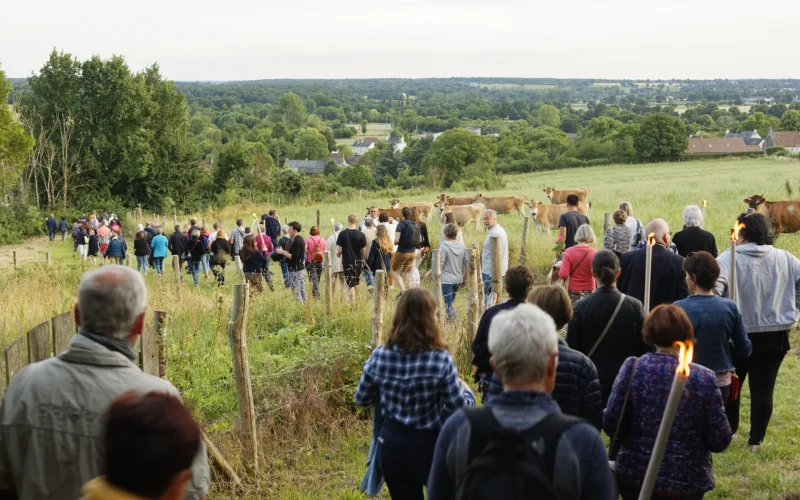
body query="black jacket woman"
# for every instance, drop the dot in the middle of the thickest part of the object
(380, 253)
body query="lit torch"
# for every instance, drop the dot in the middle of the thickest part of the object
(674, 399)
(703, 222)
(255, 220)
(732, 276)
(333, 224)
(651, 241)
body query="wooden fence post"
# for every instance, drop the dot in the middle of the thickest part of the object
(160, 329)
(47, 258)
(285, 220)
(174, 216)
(237, 336)
(436, 274)
(523, 249)
(380, 306)
(479, 267)
(176, 266)
(39, 342)
(15, 358)
(16, 264)
(318, 217)
(606, 222)
(150, 348)
(326, 266)
(239, 268)
(63, 329)
(128, 260)
(475, 294)
(497, 269)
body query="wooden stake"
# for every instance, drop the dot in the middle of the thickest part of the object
(160, 328)
(606, 222)
(217, 459)
(128, 260)
(318, 217)
(237, 336)
(380, 306)
(174, 216)
(479, 270)
(497, 269)
(176, 266)
(47, 258)
(475, 293)
(436, 270)
(523, 248)
(16, 265)
(239, 268)
(328, 270)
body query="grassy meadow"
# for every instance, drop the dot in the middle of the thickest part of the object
(304, 363)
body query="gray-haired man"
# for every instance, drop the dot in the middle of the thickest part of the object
(51, 419)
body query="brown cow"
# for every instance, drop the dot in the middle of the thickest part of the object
(424, 207)
(395, 213)
(503, 204)
(784, 215)
(464, 214)
(546, 216)
(559, 196)
(456, 200)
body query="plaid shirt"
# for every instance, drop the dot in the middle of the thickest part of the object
(238, 240)
(417, 390)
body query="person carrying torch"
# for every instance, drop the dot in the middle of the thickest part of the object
(665, 387)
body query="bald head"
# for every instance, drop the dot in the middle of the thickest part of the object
(112, 301)
(660, 230)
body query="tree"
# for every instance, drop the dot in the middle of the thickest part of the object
(453, 151)
(661, 136)
(345, 150)
(15, 144)
(548, 140)
(790, 120)
(328, 134)
(548, 116)
(761, 123)
(292, 109)
(233, 163)
(311, 145)
(358, 177)
(364, 126)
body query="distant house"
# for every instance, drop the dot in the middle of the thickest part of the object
(338, 160)
(308, 167)
(398, 142)
(474, 130)
(751, 137)
(790, 141)
(361, 146)
(719, 145)
(351, 160)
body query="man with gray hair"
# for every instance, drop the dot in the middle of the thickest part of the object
(667, 277)
(693, 238)
(490, 223)
(570, 453)
(51, 419)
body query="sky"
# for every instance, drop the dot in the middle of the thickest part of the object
(264, 39)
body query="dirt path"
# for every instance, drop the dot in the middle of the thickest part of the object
(33, 250)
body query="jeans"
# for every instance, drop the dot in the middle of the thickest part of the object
(267, 277)
(487, 286)
(204, 260)
(52, 235)
(63, 236)
(141, 263)
(449, 293)
(297, 282)
(285, 272)
(194, 267)
(314, 273)
(368, 279)
(762, 366)
(159, 262)
(373, 479)
(406, 455)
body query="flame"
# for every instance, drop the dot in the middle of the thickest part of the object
(735, 230)
(705, 203)
(331, 220)
(651, 239)
(684, 357)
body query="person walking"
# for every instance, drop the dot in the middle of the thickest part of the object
(606, 326)
(178, 244)
(407, 238)
(295, 252)
(498, 449)
(634, 224)
(618, 237)
(237, 237)
(76, 229)
(45, 454)
(206, 260)
(641, 389)
(768, 294)
(116, 249)
(380, 253)
(264, 245)
(454, 259)
(667, 278)
(141, 250)
(693, 238)
(281, 259)
(150, 441)
(490, 223)
(195, 250)
(272, 227)
(51, 225)
(253, 263)
(570, 221)
(576, 266)
(315, 255)
(717, 322)
(221, 255)
(63, 226)
(391, 226)
(104, 235)
(159, 246)
(350, 247)
(413, 381)
(370, 232)
(93, 247)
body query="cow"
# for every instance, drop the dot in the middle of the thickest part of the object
(547, 216)
(559, 196)
(423, 207)
(456, 200)
(464, 214)
(784, 215)
(395, 213)
(503, 204)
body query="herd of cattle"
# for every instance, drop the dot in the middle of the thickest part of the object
(784, 215)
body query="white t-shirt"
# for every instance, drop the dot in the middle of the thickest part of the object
(486, 255)
(330, 244)
(390, 228)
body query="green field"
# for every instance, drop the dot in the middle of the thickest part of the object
(379, 130)
(514, 86)
(304, 363)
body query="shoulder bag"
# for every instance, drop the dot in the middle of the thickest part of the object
(565, 283)
(608, 326)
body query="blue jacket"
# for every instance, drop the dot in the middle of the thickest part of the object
(480, 346)
(159, 246)
(581, 467)
(51, 224)
(717, 322)
(63, 226)
(116, 248)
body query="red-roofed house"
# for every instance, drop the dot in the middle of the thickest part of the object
(790, 141)
(719, 145)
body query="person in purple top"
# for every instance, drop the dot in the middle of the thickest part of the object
(700, 426)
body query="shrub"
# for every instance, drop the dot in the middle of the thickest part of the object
(776, 151)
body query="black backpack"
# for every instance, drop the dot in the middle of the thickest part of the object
(411, 236)
(507, 464)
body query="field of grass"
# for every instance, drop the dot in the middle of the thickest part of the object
(304, 363)
(513, 86)
(380, 130)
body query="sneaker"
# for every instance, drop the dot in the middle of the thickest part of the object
(755, 448)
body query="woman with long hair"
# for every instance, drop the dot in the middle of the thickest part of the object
(94, 247)
(253, 262)
(413, 380)
(221, 250)
(141, 250)
(422, 250)
(380, 253)
(205, 261)
(315, 249)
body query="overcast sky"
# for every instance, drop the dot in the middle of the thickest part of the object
(255, 39)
